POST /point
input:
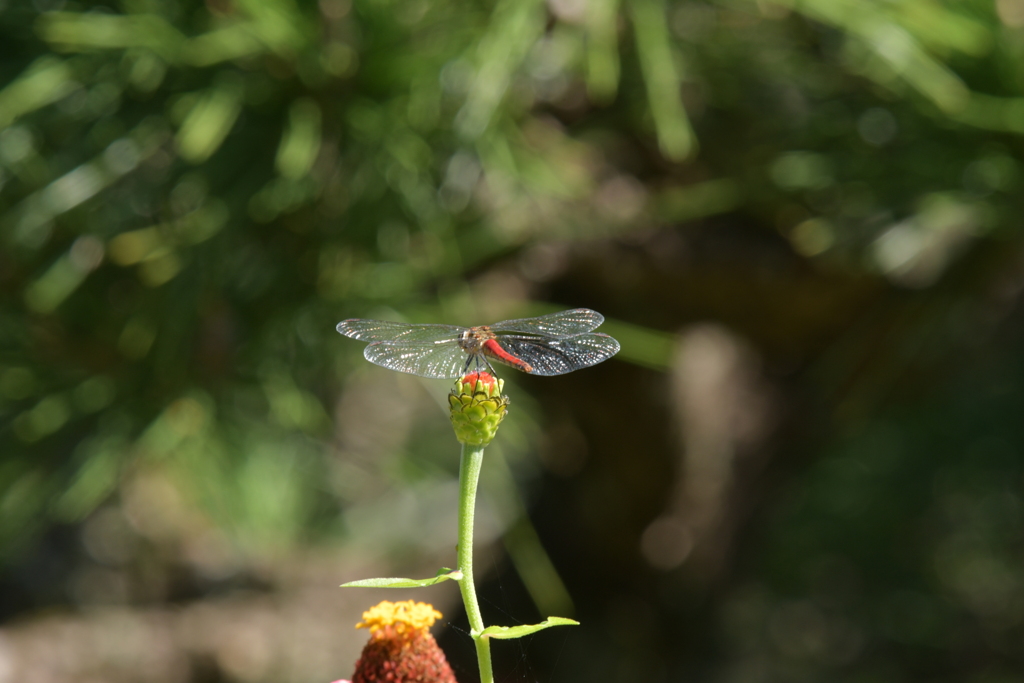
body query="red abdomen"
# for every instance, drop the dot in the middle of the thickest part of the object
(493, 348)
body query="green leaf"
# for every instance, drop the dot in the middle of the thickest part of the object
(209, 121)
(442, 575)
(525, 629)
(659, 68)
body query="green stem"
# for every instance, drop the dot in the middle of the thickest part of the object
(469, 477)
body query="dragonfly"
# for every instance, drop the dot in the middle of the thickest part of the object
(547, 345)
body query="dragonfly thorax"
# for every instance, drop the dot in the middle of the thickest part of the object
(472, 340)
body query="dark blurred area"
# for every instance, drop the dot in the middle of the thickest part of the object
(800, 218)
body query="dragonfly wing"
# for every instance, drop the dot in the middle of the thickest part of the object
(426, 359)
(563, 324)
(559, 356)
(384, 330)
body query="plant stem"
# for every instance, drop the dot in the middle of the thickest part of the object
(469, 477)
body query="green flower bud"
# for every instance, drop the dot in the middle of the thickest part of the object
(477, 408)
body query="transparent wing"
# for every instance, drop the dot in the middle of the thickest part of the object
(383, 330)
(563, 324)
(559, 356)
(439, 360)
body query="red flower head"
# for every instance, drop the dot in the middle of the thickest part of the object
(489, 380)
(401, 649)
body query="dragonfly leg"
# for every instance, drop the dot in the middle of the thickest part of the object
(478, 361)
(489, 366)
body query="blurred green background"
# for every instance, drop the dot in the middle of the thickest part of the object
(802, 219)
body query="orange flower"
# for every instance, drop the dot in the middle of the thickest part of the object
(401, 649)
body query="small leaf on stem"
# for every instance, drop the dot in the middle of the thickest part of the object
(525, 629)
(443, 575)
